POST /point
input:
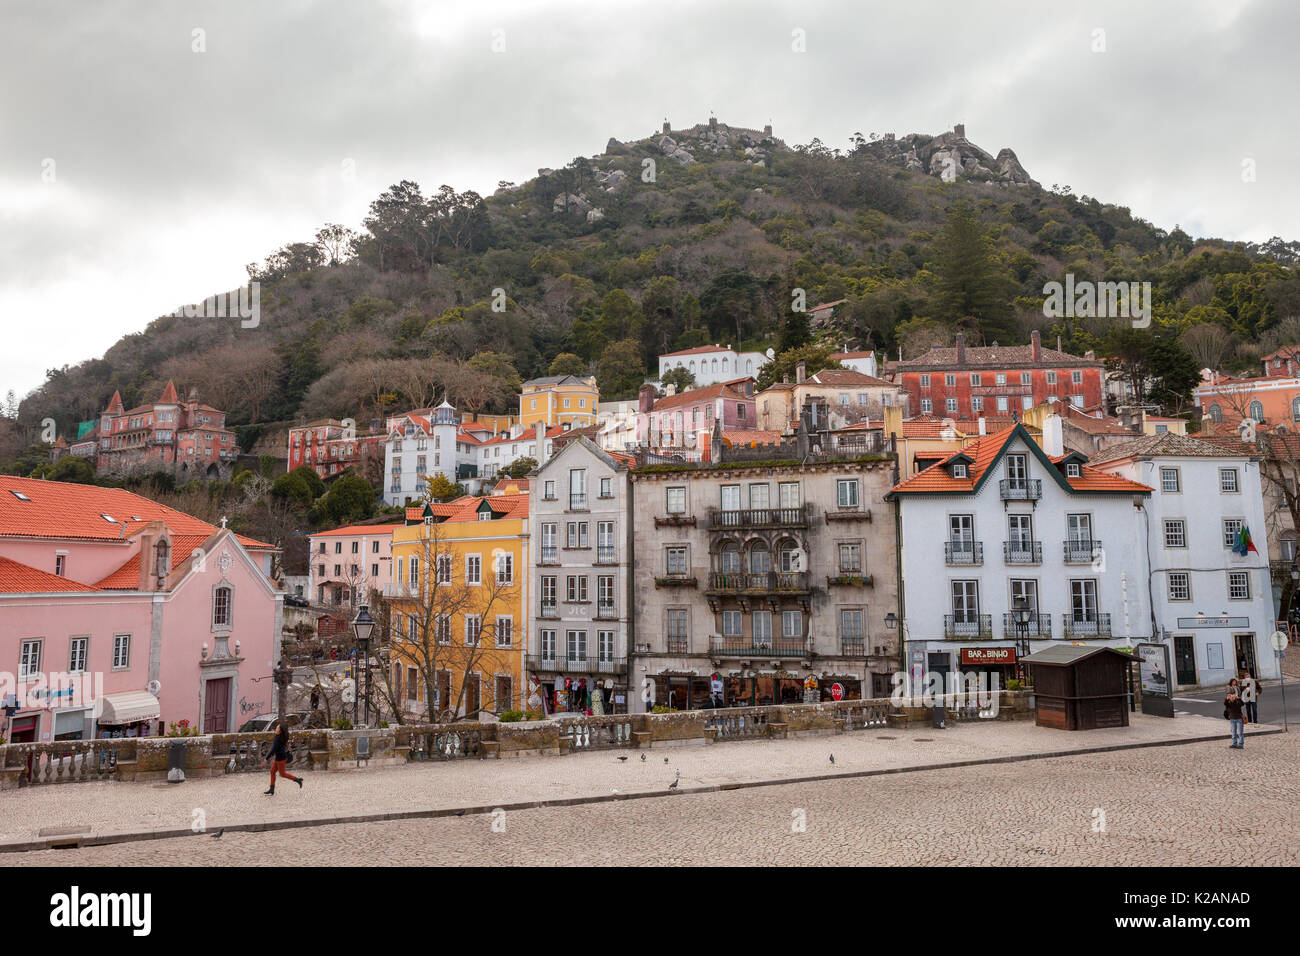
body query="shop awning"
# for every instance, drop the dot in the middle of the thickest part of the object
(129, 707)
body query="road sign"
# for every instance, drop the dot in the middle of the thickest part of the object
(1279, 641)
(917, 672)
(837, 692)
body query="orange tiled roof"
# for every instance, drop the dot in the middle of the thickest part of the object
(60, 509)
(127, 577)
(743, 436)
(355, 529)
(985, 452)
(846, 377)
(16, 578)
(706, 394)
(622, 458)
(507, 506)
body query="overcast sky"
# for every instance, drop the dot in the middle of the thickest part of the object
(138, 173)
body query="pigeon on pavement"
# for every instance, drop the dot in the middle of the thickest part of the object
(673, 785)
(217, 835)
(622, 758)
(832, 758)
(460, 813)
(643, 758)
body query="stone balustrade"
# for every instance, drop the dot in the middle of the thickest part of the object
(146, 758)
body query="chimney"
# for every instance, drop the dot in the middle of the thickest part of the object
(1053, 436)
(961, 348)
(1036, 340)
(1058, 343)
(539, 431)
(984, 428)
(670, 389)
(645, 398)
(893, 420)
(800, 372)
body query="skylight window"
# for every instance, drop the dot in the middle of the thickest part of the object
(19, 495)
(109, 518)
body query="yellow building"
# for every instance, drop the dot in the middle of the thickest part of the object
(458, 607)
(557, 400)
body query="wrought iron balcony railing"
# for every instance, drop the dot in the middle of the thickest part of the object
(963, 552)
(1039, 625)
(1022, 552)
(1021, 489)
(962, 627)
(1085, 551)
(1093, 625)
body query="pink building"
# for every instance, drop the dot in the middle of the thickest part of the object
(674, 423)
(119, 615)
(167, 435)
(347, 563)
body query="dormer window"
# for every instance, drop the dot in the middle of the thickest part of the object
(959, 470)
(1072, 470)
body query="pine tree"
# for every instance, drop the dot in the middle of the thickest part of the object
(971, 287)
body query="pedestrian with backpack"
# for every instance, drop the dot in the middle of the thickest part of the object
(279, 756)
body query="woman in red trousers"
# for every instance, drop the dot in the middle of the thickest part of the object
(279, 756)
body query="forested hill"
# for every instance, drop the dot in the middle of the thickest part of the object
(683, 238)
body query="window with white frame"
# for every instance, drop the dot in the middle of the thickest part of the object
(1002, 403)
(925, 381)
(505, 631)
(605, 591)
(605, 647)
(975, 378)
(792, 624)
(473, 626)
(731, 623)
(950, 405)
(577, 589)
(607, 487)
(1076, 377)
(851, 630)
(222, 598)
(473, 569)
(413, 571)
(846, 492)
(1169, 480)
(927, 406)
(29, 659)
(577, 645)
(1228, 480)
(443, 574)
(1180, 586)
(762, 628)
(949, 379)
(1231, 528)
(505, 569)
(1175, 533)
(1238, 586)
(850, 557)
(121, 651)
(976, 403)
(675, 500)
(675, 559)
(548, 644)
(77, 650)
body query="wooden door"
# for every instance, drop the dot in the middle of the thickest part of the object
(1185, 659)
(216, 707)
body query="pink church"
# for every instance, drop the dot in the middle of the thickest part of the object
(119, 615)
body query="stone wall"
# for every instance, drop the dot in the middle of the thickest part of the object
(146, 758)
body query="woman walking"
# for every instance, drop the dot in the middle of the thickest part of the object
(1250, 698)
(279, 755)
(1232, 710)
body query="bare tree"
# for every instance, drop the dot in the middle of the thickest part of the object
(440, 623)
(1209, 344)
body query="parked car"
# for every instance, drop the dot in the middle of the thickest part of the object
(264, 722)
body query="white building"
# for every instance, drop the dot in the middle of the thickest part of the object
(582, 579)
(1213, 605)
(862, 361)
(713, 364)
(422, 444)
(1002, 525)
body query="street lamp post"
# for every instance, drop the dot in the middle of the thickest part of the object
(282, 675)
(1020, 615)
(363, 625)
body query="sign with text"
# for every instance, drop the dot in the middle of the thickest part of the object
(988, 655)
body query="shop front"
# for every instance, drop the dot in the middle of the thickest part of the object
(129, 714)
(561, 694)
(762, 688)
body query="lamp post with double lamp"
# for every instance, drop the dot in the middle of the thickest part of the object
(363, 625)
(282, 674)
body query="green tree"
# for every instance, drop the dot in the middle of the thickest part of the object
(520, 467)
(497, 365)
(971, 287)
(442, 488)
(302, 485)
(350, 498)
(620, 370)
(68, 468)
(566, 363)
(679, 376)
(796, 333)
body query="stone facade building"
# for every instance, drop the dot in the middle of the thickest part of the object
(765, 580)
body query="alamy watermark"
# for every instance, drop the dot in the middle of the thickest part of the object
(43, 691)
(246, 304)
(1103, 300)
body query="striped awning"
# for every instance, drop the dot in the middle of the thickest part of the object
(129, 707)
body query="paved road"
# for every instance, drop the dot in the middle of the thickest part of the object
(1194, 804)
(1210, 703)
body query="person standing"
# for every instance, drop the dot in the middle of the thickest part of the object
(1232, 710)
(279, 756)
(1250, 698)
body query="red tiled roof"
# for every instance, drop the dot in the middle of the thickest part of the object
(846, 377)
(60, 509)
(706, 394)
(991, 357)
(356, 529)
(622, 458)
(743, 436)
(984, 452)
(16, 578)
(127, 577)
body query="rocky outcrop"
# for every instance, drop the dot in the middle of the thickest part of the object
(950, 156)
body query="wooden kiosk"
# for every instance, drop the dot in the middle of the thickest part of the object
(1080, 687)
